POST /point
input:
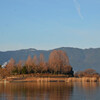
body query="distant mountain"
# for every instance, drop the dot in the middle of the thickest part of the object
(80, 59)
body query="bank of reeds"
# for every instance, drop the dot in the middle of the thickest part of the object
(51, 79)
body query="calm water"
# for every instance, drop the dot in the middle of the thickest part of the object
(50, 91)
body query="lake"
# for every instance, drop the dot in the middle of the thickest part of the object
(50, 91)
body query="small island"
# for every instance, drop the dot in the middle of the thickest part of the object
(36, 69)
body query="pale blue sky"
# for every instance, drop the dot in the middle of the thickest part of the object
(47, 24)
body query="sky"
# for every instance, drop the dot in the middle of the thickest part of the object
(48, 24)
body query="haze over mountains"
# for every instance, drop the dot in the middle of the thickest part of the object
(80, 59)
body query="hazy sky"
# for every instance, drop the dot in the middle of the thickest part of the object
(47, 24)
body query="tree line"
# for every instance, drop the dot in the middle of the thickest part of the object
(58, 63)
(87, 73)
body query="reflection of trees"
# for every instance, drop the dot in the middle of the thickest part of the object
(36, 91)
(87, 87)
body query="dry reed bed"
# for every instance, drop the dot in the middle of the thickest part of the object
(39, 79)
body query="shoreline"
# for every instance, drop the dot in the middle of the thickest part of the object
(48, 79)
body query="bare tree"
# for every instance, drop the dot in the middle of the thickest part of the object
(42, 65)
(10, 66)
(87, 73)
(3, 73)
(67, 69)
(19, 66)
(90, 71)
(57, 60)
(29, 64)
(35, 64)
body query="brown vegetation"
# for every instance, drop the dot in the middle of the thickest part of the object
(87, 73)
(58, 63)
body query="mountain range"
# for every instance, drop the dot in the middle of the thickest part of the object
(80, 59)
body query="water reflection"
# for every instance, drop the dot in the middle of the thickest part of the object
(50, 91)
(36, 91)
(86, 91)
(88, 86)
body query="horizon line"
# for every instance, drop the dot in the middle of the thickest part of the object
(49, 49)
